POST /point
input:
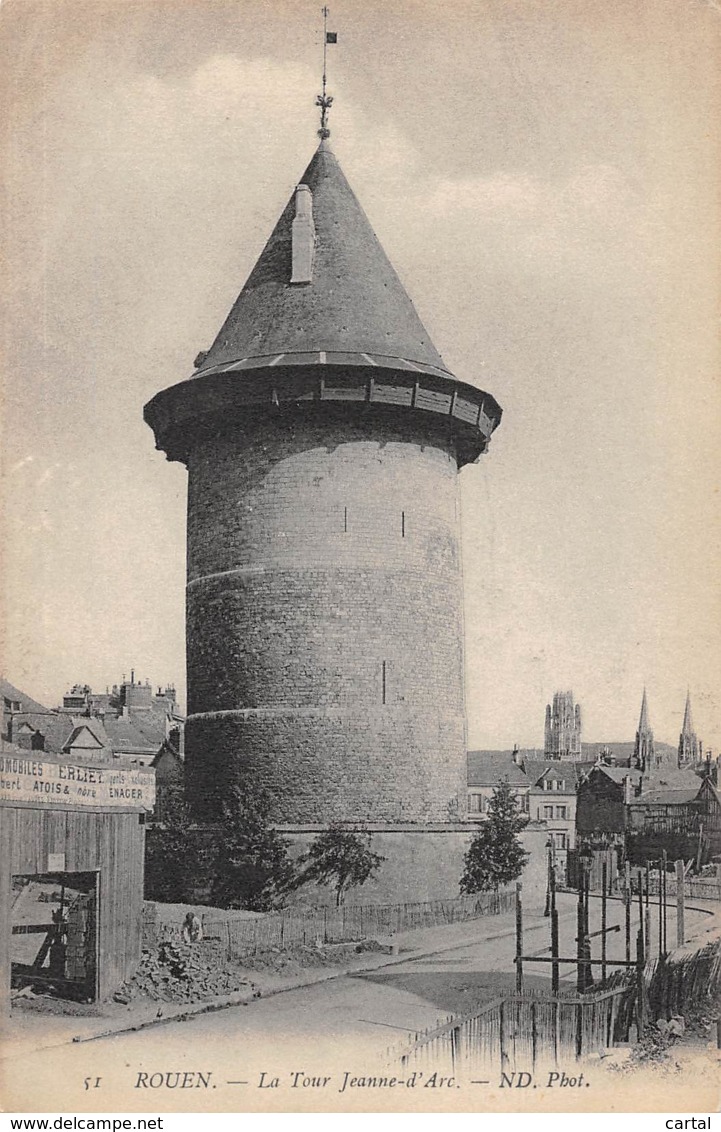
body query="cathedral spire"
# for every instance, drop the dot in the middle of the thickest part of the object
(644, 750)
(643, 720)
(688, 745)
(687, 715)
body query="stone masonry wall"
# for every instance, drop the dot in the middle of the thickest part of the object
(425, 864)
(324, 621)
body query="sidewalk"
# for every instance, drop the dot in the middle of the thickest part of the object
(26, 1032)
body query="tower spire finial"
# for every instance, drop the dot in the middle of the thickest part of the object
(325, 100)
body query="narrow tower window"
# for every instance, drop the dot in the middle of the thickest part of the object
(403, 524)
(345, 520)
(383, 680)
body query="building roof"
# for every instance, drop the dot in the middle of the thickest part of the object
(125, 737)
(569, 771)
(624, 752)
(619, 773)
(487, 768)
(665, 797)
(151, 725)
(355, 304)
(85, 733)
(53, 726)
(10, 692)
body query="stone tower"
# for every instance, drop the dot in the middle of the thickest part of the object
(688, 744)
(644, 751)
(323, 436)
(563, 728)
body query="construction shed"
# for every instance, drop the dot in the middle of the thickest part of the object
(72, 843)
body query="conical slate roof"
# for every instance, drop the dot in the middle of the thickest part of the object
(354, 309)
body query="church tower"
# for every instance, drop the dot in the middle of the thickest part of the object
(563, 728)
(644, 752)
(688, 744)
(323, 436)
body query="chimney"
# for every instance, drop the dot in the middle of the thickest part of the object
(303, 236)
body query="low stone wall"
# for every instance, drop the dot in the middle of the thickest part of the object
(422, 863)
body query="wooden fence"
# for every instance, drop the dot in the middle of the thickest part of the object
(678, 981)
(694, 889)
(526, 1030)
(522, 1031)
(330, 924)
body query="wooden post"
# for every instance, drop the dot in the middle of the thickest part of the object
(519, 939)
(665, 900)
(588, 975)
(553, 887)
(628, 910)
(554, 931)
(660, 908)
(641, 905)
(699, 855)
(580, 968)
(554, 951)
(680, 905)
(640, 988)
(604, 882)
(455, 1047)
(502, 1033)
(534, 1035)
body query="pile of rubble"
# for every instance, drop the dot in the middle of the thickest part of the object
(292, 960)
(183, 972)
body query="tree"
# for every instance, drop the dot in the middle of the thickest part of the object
(172, 854)
(341, 858)
(252, 867)
(495, 855)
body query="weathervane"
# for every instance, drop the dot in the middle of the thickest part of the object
(324, 100)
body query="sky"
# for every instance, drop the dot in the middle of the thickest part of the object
(543, 174)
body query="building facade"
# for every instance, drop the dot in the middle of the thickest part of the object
(486, 769)
(552, 800)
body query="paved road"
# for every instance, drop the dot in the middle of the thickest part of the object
(345, 1023)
